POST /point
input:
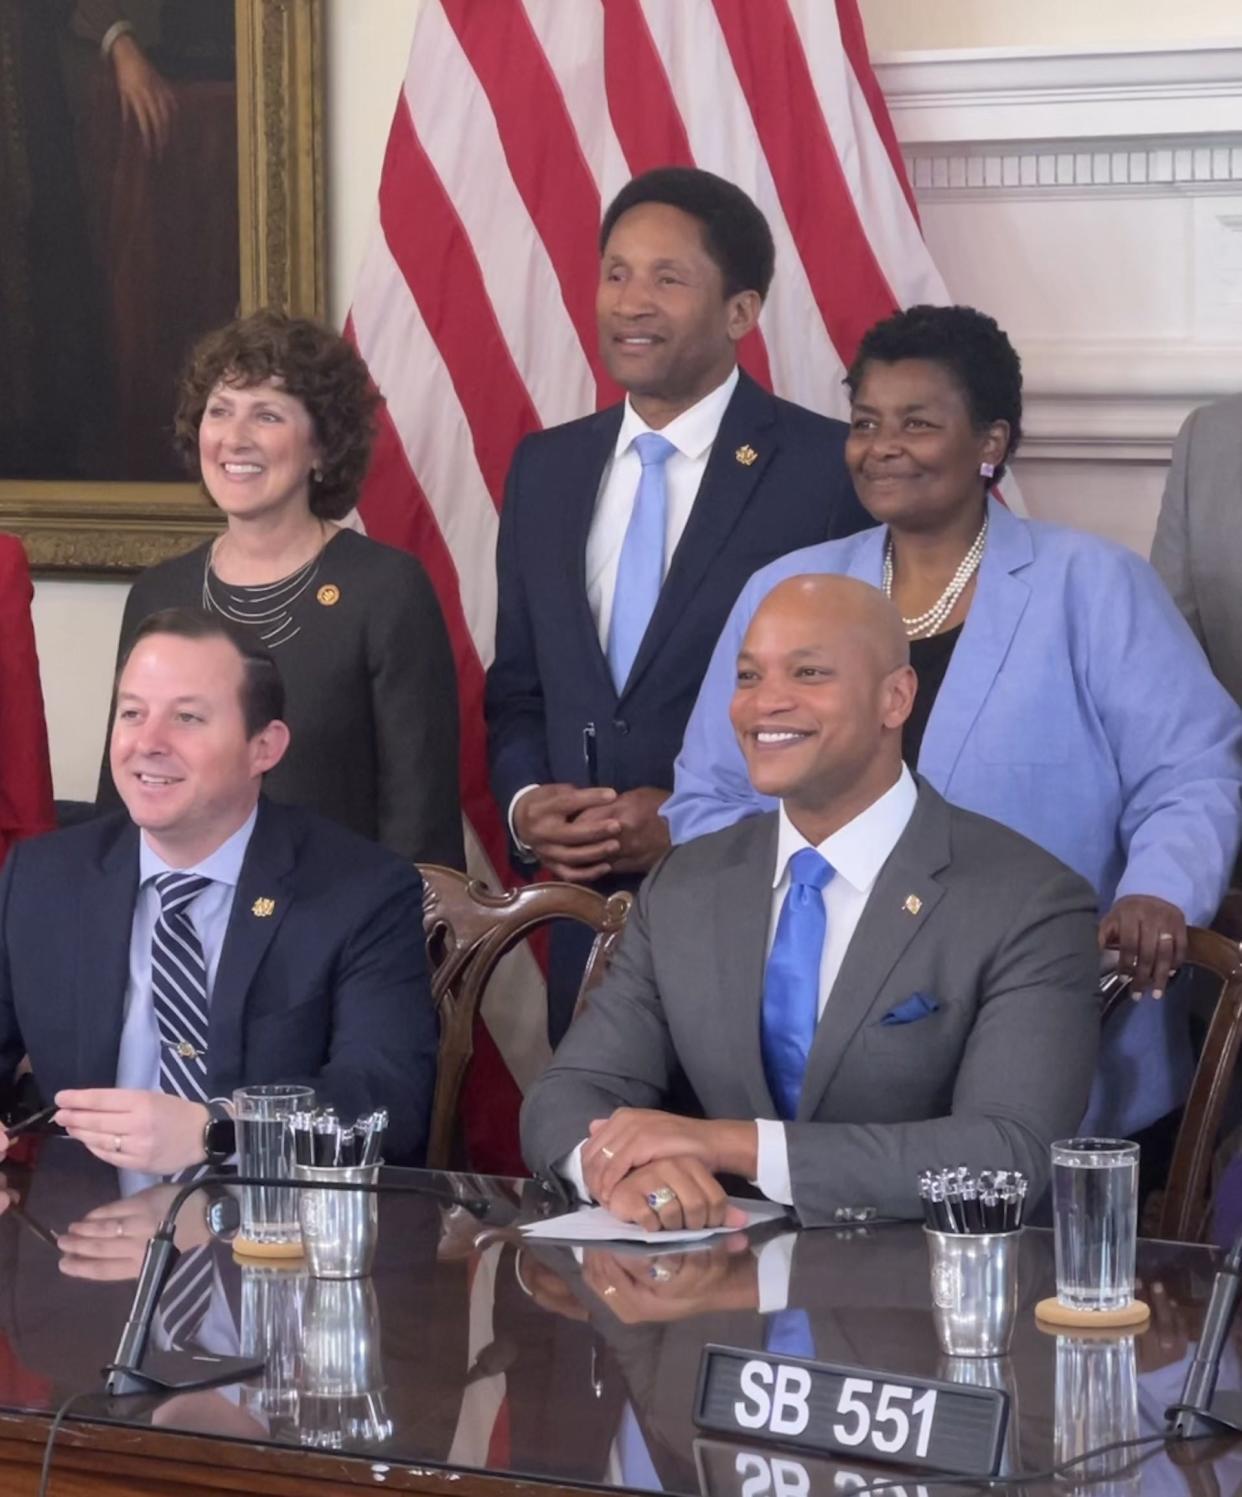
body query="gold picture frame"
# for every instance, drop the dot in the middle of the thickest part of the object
(118, 528)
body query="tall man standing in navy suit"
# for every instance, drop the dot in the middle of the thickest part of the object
(626, 536)
(206, 938)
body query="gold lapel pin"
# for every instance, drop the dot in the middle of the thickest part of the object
(913, 904)
(263, 908)
(329, 594)
(746, 455)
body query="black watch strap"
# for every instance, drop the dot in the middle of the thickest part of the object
(219, 1133)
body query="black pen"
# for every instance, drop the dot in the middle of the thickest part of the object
(589, 754)
(32, 1121)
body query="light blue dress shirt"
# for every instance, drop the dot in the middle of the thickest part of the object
(138, 1063)
(1077, 709)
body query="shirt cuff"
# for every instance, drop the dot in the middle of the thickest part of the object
(523, 850)
(114, 33)
(772, 1175)
(774, 1261)
(570, 1170)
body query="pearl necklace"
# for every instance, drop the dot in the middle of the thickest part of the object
(927, 624)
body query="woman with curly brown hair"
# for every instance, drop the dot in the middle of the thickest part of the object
(276, 417)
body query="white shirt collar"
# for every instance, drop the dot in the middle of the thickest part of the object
(693, 432)
(859, 849)
(222, 866)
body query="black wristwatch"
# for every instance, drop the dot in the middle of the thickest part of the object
(219, 1134)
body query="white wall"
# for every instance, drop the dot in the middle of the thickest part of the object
(898, 25)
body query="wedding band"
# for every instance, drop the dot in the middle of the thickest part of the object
(658, 1199)
(118, 1144)
(607, 1152)
(120, 1229)
(609, 1289)
(1164, 936)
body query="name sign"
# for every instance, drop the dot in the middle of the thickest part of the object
(880, 1416)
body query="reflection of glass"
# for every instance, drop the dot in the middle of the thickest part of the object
(343, 1398)
(272, 1327)
(1095, 1209)
(989, 1372)
(1096, 1404)
(265, 1147)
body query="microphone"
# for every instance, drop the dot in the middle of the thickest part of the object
(124, 1373)
(1193, 1414)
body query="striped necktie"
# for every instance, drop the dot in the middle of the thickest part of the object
(179, 987)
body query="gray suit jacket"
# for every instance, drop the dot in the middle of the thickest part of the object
(1001, 937)
(1198, 544)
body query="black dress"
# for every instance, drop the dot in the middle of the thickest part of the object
(371, 692)
(930, 659)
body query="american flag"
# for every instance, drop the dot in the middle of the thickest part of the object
(518, 121)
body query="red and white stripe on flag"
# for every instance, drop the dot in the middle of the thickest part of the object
(517, 123)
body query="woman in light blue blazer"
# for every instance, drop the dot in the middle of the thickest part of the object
(1060, 691)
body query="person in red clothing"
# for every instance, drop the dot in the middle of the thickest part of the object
(25, 772)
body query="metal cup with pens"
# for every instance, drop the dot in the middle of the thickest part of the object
(973, 1226)
(339, 1227)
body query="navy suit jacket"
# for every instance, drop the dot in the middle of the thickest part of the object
(330, 989)
(550, 678)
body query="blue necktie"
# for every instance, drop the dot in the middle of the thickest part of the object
(179, 987)
(640, 570)
(791, 979)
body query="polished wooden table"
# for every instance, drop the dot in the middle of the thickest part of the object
(467, 1364)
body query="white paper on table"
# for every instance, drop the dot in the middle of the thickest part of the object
(598, 1224)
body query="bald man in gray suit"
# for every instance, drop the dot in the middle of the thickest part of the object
(941, 1011)
(1198, 544)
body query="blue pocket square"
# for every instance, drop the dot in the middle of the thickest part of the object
(916, 1007)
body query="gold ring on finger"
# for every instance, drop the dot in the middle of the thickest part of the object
(118, 1144)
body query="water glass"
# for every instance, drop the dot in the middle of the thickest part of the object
(1095, 1214)
(269, 1213)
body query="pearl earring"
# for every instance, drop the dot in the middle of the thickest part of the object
(986, 470)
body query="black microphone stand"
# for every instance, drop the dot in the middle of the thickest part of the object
(1201, 1410)
(166, 1372)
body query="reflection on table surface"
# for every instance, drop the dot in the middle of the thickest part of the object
(468, 1349)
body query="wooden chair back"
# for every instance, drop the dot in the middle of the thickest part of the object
(469, 928)
(1184, 1210)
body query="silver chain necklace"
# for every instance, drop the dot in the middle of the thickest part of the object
(925, 624)
(267, 607)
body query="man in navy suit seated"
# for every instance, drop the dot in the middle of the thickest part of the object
(626, 537)
(153, 961)
(859, 985)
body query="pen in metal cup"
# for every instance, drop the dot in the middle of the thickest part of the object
(325, 1137)
(373, 1142)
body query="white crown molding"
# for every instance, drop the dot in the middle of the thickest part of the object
(1040, 94)
(1127, 167)
(1118, 401)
